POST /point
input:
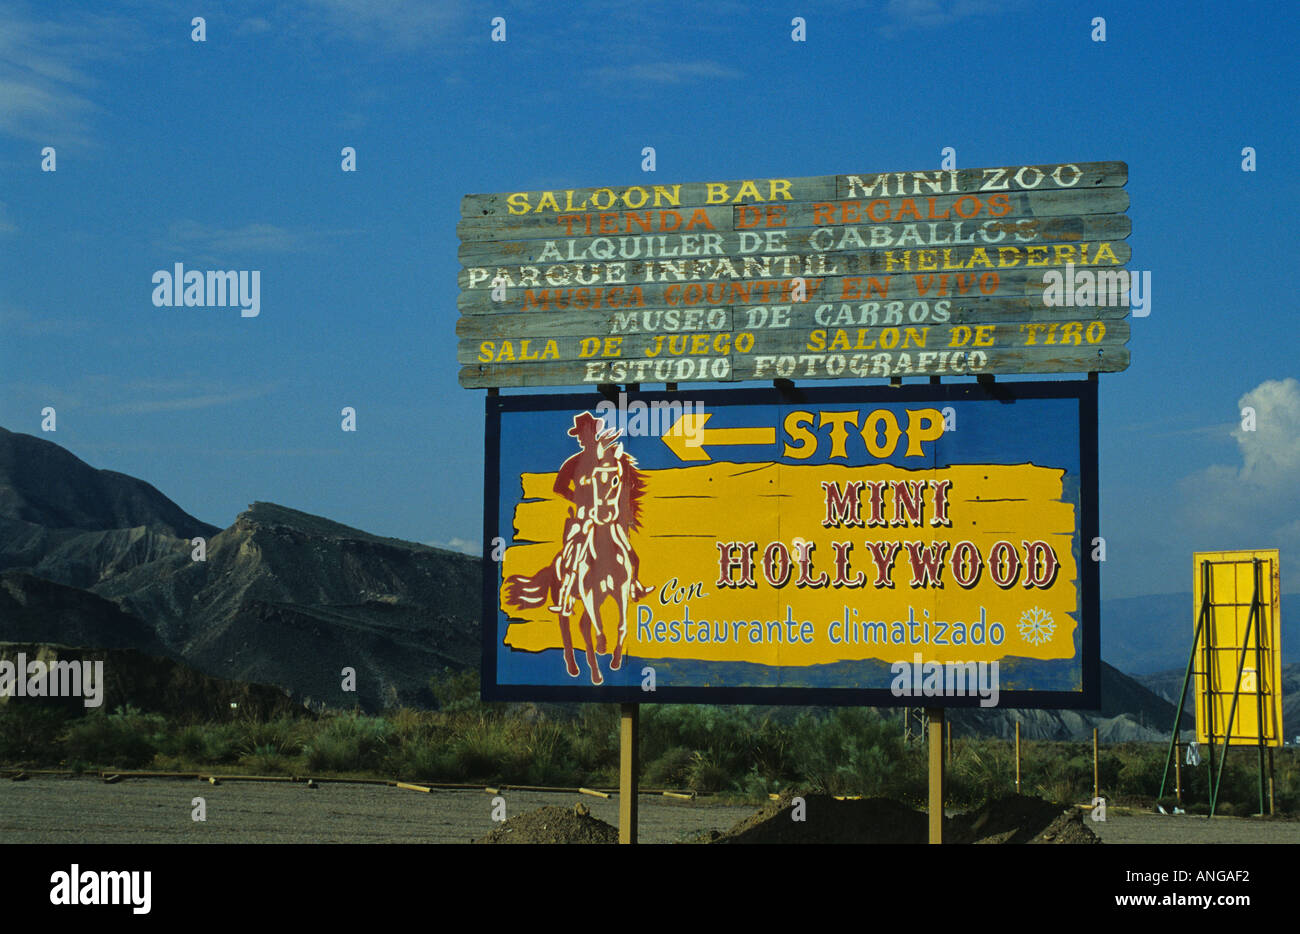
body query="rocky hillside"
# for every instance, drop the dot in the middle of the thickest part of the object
(1129, 713)
(71, 523)
(44, 485)
(94, 557)
(292, 599)
(1167, 684)
(34, 609)
(1153, 633)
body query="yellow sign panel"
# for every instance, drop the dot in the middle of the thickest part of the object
(796, 563)
(1238, 652)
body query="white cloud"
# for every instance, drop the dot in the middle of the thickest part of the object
(208, 242)
(408, 25)
(45, 81)
(1271, 453)
(1255, 503)
(185, 403)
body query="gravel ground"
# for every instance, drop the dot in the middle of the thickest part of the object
(85, 810)
(1191, 828)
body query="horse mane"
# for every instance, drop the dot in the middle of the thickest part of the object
(630, 493)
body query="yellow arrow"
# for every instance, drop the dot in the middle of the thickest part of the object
(687, 438)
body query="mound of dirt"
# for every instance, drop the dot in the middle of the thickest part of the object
(1010, 819)
(1021, 819)
(823, 819)
(1069, 827)
(1013, 819)
(552, 824)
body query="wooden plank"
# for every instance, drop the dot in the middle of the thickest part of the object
(999, 232)
(1078, 176)
(934, 716)
(629, 769)
(687, 282)
(539, 351)
(653, 194)
(971, 207)
(648, 195)
(852, 366)
(950, 207)
(808, 315)
(776, 290)
(667, 220)
(872, 262)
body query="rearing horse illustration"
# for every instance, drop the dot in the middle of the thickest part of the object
(596, 560)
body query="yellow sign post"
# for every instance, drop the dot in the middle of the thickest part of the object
(1239, 659)
(1236, 660)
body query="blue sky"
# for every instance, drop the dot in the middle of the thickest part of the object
(226, 154)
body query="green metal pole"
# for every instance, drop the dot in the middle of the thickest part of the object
(1257, 607)
(1187, 675)
(1209, 693)
(1182, 694)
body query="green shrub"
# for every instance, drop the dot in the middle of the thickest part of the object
(424, 761)
(851, 751)
(266, 760)
(123, 739)
(347, 743)
(483, 752)
(670, 770)
(456, 690)
(706, 774)
(29, 733)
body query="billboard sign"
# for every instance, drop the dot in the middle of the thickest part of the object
(1015, 269)
(914, 545)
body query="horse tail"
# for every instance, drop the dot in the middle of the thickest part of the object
(532, 591)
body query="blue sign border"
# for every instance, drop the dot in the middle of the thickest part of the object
(1084, 392)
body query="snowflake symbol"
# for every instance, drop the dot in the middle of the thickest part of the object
(1037, 626)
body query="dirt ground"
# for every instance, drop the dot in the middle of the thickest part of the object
(1190, 828)
(85, 810)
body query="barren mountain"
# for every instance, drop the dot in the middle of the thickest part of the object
(283, 597)
(33, 609)
(292, 599)
(1129, 713)
(47, 486)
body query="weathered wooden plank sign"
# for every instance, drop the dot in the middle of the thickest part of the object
(1017, 269)
(844, 545)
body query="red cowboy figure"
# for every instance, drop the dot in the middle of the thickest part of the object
(595, 561)
(573, 482)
